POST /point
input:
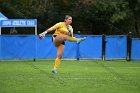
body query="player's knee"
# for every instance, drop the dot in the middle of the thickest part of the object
(56, 44)
(59, 57)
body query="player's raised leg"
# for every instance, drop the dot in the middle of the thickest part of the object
(71, 39)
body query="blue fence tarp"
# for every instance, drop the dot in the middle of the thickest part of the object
(21, 47)
(45, 48)
(30, 47)
(91, 47)
(135, 50)
(116, 47)
(26, 47)
(70, 50)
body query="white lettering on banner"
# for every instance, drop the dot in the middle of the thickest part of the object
(1, 18)
(18, 23)
(6, 23)
(30, 23)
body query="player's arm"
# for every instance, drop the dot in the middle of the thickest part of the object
(42, 35)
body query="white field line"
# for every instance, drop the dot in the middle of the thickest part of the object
(86, 78)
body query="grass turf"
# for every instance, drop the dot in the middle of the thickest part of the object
(90, 76)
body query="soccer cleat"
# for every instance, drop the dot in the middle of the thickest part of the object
(54, 71)
(80, 40)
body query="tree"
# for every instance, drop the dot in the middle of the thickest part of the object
(104, 14)
(134, 5)
(90, 16)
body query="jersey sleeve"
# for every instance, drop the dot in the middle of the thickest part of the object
(56, 26)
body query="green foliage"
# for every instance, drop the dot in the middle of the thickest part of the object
(24, 8)
(111, 10)
(90, 16)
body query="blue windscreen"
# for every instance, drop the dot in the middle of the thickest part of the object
(45, 48)
(13, 47)
(135, 50)
(116, 47)
(91, 47)
(30, 47)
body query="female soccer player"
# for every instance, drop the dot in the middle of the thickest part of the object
(63, 32)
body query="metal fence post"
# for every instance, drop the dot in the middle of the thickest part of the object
(103, 46)
(78, 35)
(129, 44)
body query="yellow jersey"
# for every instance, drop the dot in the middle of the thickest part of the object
(61, 28)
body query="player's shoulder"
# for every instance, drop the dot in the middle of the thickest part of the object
(60, 23)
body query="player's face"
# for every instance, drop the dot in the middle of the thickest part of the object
(68, 20)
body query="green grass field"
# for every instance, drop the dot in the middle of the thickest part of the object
(90, 76)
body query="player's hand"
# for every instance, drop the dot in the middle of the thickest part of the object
(42, 35)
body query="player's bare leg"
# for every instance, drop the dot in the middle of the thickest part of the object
(60, 48)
